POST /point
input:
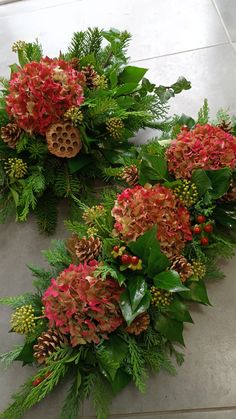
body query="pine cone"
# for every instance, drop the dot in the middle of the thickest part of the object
(70, 245)
(226, 126)
(230, 194)
(48, 342)
(183, 267)
(10, 134)
(139, 325)
(130, 175)
(90, 76)
(88, 249)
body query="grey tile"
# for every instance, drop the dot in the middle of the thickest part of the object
(207, 379)
(222, 414)
(165, 28)
(227, 10)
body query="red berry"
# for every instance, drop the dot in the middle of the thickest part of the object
(204, 241)
(208, 228)
(201, 219)
(37, 381)
(197, 229)
(126, 259)
(116, 249)
(134, 260)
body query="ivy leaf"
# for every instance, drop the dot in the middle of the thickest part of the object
(169, 281)
(111, 354)
(132, 74)
(202, 181)
(181, 84)
(220, 180)
(170, 328)
(153, 167)
(126, 302)
(197, 292)
(179, 311)
(120, 381)
(27, 354)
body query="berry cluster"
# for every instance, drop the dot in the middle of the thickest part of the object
(202, 228)
(23, 320)
(160, 297)
(132, 262)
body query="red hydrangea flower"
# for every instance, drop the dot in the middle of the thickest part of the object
(40, 93)
(205, 147)
(82, 306)
(138, 209)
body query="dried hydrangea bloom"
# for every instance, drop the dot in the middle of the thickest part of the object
(82, 306)
(40, 93)
(205, 147)
(138, 209)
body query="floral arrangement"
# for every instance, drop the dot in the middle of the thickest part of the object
(64, 119)
(114, 301)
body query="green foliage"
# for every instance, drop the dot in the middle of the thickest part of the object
(73, 399)
(43, 277)
(76, 227)
(136, 363)
(34, 51)
(32, 187)
(17, 301)
(203, 114)
(85, 43)
(46, 212)
(9, 357)
(135, 299)
(101, 396)
(58, 255)
(65, 184)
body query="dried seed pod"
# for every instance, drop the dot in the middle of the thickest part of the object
(63, 140)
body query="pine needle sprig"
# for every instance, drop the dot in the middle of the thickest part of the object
(58, 255)
(85, 42)
(8, 358)
(17, 301)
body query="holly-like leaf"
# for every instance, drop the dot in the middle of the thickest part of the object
(169, 281)
(197, 292)
(170, 328)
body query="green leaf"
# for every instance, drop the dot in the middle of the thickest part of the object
(113, 78)
(27, 354)
(15, 196)
(197, 293)
(78, 162)
(143, 245)
(78, 381)
(186, 120)
(220, 180)
(181, 84)
(14, 68)
(126, 306)
(157, 261)
(170, 328)
(111, 354)
(132, 74)
(125, 89)
(120, 381)
(169, 281)
(202, 181)
(179, 311)
(152, 167)
(137, 290)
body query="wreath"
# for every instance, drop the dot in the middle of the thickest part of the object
(63, 120)
(112, 305)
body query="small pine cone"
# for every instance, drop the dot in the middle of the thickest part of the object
(10, 134)
(139, 325)
(130, 175)
(48, 342)
(226, 126)
(183, 267)
(90, 76)
(88, 249)
(230, 194)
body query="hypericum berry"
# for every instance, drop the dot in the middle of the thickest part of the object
(197, 229)
(126, 259)
(208, 228)
(204, 241)
(201, 219)
(116, 248)
(135, 260)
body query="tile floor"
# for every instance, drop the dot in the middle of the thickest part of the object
(194, 38)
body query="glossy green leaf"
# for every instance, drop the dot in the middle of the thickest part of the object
(126, 88)
(152, 168)
(143, 245)
(169, 281)
(181, 84)
(120, 381)
(111, 354)
(157, 261)
(179, 311)
(132, 74)
(27, 354)
(78, 162)
(126, 306)
(197, 292)
(220, 181)
(170, 328)
(186, 120)
(202, 181)
(137, 289)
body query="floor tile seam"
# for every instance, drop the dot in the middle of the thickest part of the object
(169, 412)
(180, 52)
(34, 10)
